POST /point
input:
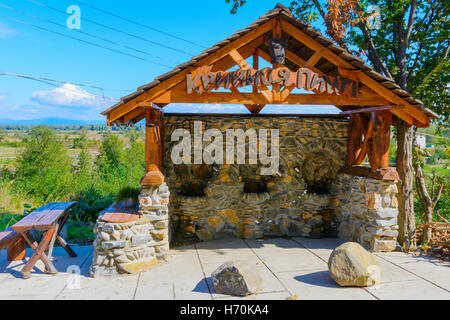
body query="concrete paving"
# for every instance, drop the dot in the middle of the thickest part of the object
(289, 267)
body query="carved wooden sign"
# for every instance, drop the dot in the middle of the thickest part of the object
(304, 78)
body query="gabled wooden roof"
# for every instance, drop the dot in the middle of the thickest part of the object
(304, 46)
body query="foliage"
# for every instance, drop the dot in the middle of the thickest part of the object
(432, 180)
(127, 193)
(43, 166)
(8, 220)
(79, 232)
(90, 203)
(442, 207)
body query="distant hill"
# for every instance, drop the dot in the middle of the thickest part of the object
(51, 122)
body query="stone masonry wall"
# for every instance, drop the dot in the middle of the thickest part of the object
(367, 210)
(218, 201)
(131, 247)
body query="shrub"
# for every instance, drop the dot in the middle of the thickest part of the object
(76, 231)
(91, 202)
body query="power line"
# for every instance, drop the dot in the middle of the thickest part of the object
(46, 80)
(114, 29)
(82, 32)
(139, 24)
(84, 41)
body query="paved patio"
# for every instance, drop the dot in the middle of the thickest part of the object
(289, 267)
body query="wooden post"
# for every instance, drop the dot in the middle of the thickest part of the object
(406, 218)
(277, 33)
(153, 138)
(379, 148)
(354, 140)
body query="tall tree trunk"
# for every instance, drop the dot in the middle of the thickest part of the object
(406, 219)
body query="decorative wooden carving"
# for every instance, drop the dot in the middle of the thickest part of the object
(304, 78)
(278, 50)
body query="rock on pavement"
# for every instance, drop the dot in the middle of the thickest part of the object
(351, 265)
(237, 278)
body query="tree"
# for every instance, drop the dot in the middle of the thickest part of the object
(111, 157)
(410, 45)
(44, 169)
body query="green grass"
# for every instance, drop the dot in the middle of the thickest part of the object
(441, 169)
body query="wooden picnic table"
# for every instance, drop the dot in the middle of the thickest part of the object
(50, 220)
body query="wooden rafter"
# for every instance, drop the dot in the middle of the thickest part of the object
(181, 76)
(308, 64)
(240, 61)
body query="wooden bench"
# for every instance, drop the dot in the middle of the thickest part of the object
(14, 244)
(50, 220)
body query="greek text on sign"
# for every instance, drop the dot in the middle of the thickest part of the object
(304, 78)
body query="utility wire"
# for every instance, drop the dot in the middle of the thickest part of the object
(84, 41)
(139, 24)
(114, 29)
(35, 79)
(82, 32)
(47, 80)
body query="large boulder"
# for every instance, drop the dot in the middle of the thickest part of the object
(351, 265)
(238, 278)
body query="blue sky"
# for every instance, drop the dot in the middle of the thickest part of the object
(30, 51)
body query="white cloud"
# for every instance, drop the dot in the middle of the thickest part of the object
(6, 32)
(3, 97)
(70, 95)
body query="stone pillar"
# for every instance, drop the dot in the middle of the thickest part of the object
(153, 207)
(134, 246)
(367, 210)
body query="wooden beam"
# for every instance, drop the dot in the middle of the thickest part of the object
(181, 76)
(365, 79)
(256, 108)
(181, 96)
(311, 63)
(385, 174)
(365, 145)
(308, 64)
(134, 114)
(240, 61)
(276, 87)
(370, 109)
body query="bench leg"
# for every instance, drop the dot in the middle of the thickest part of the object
(39, 253)
(66, 247)
(16, 251)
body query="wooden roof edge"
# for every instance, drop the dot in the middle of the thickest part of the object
(286, 14)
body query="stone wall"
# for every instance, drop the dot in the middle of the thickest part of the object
(131, 247)
(367, 211)
(217, 201)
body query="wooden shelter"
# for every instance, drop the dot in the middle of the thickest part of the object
(311, 62)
